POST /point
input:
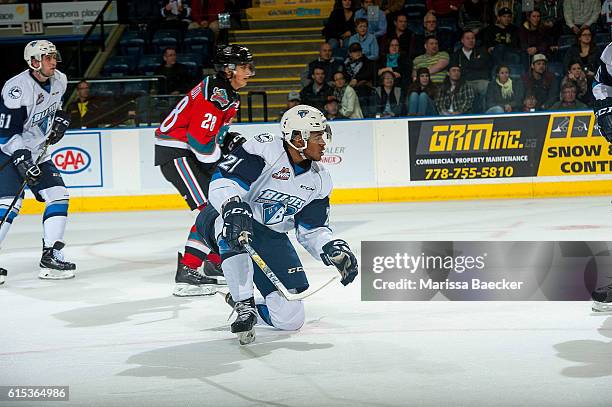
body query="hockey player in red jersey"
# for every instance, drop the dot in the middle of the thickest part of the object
(188, 145)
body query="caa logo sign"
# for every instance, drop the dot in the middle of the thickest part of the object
(71, 160)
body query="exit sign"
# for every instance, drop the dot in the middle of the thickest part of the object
(32, 27)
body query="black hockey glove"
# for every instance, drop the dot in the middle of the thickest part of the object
(237, 222)
(231, 141)
(603, 114)
(61, 122)
(338, 253)
(28, 169)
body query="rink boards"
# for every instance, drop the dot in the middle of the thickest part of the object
(469, 157)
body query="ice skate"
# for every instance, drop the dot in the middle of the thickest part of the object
(192, 283)
(2, 275)
(602, 298)
(213, 271)
(53, 266)
(244, 325)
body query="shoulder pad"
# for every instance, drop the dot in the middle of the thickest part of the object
(326, 180)
(266, 146)
(17, 91)
(219, 93)
(606, 55)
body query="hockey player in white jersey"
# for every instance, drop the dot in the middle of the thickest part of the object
(263, 189)
(602, 90)
(30, 119)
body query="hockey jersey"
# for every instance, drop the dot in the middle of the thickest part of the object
(602, 86)
(27, 110)
(282, 195)
(198, 122)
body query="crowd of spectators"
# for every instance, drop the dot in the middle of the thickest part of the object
(448, 57)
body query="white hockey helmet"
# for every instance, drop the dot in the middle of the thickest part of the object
(303, 119)
(37, 49)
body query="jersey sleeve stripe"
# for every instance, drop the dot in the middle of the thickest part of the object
(205, 149)
(187, 177)
(241, 183)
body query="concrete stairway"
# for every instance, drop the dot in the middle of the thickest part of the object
(284, 36)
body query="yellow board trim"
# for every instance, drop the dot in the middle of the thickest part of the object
(285, 54)
(356, 195)
(286, 79)
(270, 42)
(276, 30)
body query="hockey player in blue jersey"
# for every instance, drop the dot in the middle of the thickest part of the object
(30, 119)
(263, 189)
(602, 90)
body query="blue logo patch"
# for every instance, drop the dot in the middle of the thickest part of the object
(302, 113)
(276, 205)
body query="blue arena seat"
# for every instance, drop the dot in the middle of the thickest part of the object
(148, 63)
(119, 65)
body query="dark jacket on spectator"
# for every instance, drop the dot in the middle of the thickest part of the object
(330, 67)
(93, 111)
(403, 66)
(534, 38)
(591, 61)
(461, 98)
(546, 89)
(478, 66)
(336, 25)
(316, 99)
(361, 69)
(495, 98)
(442, 7)
(495, 35)
(177, 76)
(395, 99)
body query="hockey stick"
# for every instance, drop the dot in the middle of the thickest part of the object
(272, 277)
(23, 185)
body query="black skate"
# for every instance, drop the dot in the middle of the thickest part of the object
(244, 325)
(214, 272)
(602, 298)
(52, 264)
(191, 283)
(2, 275)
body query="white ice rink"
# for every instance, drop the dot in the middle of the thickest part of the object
(117, 336)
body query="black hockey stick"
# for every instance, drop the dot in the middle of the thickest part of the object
(289, 296)
(23, 185)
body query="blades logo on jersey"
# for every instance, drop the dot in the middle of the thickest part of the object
(15, 92)
(219, 95)
(40, 98)
(276, 205)
(264, 138)
(284, 174)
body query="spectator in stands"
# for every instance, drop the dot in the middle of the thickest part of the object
(514, 6)
(581, 14)
(456, 96)
(504, 94)
(568, 99)
(360, 70)
(577, 76)
(541, 83)
(326, 61)
(176, 14)
(377, 23)
(340, 24)
(552, 18)
(178, 79)
(415, 10)
(205, 15)
(317, 92)
(475, 63)
(446, 38)
(433, 59)
(332, 109)
(421, 94)
(368, 42)
(347, 97)
(473, 15)
(401, 32)
(502, 38)
(533, 38)
(446, 9)
(293, 99)
(396, 62)
(530, 103)
(389, 98)
(85, 111)
(584, 51)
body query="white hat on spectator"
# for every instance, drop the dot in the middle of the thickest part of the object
(293, 95)
(539, 57)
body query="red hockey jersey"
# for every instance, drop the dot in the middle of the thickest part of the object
(197, 122)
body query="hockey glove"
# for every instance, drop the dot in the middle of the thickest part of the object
(231, 141)
(61, 122)
(237, 222)
(27, 168)
(338, 253)
(603, 114)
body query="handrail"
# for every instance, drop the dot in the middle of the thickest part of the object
(264, 97)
